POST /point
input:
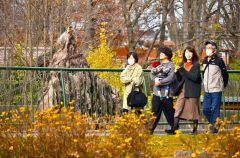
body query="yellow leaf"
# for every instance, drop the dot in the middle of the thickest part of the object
(193, 155)
(11, 148)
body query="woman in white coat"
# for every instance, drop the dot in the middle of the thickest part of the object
(132, 74)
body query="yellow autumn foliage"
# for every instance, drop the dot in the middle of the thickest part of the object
(61, 132)
(103, 56)
(177, 58)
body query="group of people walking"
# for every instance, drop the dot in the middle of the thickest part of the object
(185, 83)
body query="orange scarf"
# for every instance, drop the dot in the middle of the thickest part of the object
(188, 65)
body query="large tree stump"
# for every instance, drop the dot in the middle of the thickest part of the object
(91, 93)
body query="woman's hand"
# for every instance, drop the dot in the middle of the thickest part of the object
(179, 70)
(157, 82)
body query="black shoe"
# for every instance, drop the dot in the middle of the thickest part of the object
(195, 125)
(170, 131)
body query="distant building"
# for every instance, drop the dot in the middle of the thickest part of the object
(143, 51)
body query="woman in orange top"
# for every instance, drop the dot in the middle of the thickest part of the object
(188, 89)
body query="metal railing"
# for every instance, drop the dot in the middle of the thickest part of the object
(89, 88)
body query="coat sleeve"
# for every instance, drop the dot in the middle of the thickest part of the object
(224, 72)
(193, 75)
(124, 77)
(138, 78)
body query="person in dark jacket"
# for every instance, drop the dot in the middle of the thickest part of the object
(188, 89)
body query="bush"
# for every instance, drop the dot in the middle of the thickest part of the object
(103, 57)
(61, 132)
(65, 133)
(225, 144)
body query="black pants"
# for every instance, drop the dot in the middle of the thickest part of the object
(165, 106)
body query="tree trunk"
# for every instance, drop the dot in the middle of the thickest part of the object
(6, 31)
(186, 4)
(203, 25)
(131, 43)
(172, 26)
(30, 32)
(197, 8)
(236, 26)
(45, 6)
(129, 25)
(30, 74)
(163, 25)
(91, 93)
(89, 27)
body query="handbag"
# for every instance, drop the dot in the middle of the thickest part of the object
(136, 98)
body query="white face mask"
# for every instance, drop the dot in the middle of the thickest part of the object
(131, 61)
(188, 55)
(209, 52)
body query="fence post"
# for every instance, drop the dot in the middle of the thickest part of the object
(63, 88)
(145, 89)
(224, 108)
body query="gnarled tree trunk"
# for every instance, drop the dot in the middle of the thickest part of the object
(91, 93)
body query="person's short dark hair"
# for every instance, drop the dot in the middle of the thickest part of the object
(134, 54)
(213, 43)
(194, 57)
(167, 51)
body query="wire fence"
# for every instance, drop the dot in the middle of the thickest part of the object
(95, 92)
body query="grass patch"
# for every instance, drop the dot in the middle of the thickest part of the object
(165, 145)
(235, 65)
